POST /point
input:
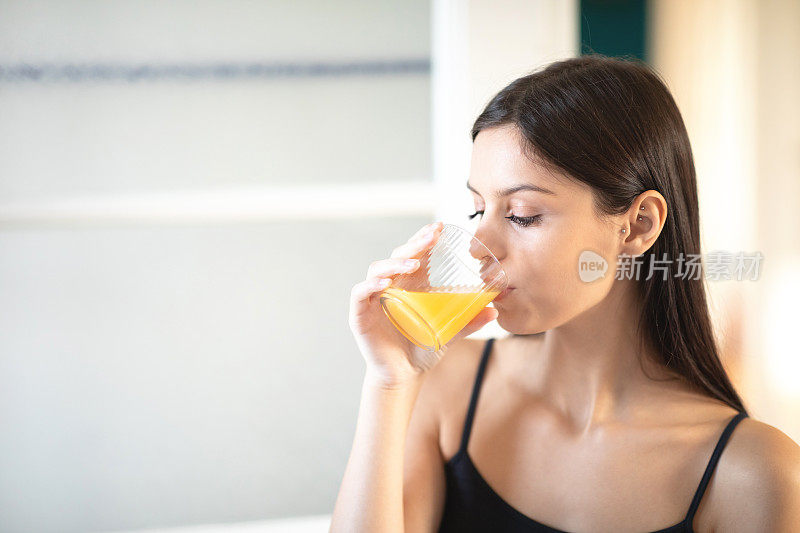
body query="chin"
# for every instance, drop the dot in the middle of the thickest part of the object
(523, 321)
(513, 323)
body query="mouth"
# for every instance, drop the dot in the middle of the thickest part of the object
(504, 293)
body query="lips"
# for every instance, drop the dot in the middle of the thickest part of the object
(504, 293)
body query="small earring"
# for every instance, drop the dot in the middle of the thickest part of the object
(623, 231)
(639, 217)
(642, 208)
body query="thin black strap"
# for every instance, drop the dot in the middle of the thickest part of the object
(712, 463)
(474, 399)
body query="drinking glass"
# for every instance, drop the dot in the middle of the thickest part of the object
(457, 277)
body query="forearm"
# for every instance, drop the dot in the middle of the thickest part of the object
(371, 494)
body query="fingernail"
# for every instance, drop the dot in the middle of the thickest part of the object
(411, 262)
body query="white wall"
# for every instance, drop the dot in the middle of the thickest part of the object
(118, 136)
(157, 371)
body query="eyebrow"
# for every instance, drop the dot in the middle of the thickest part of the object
(516, 188)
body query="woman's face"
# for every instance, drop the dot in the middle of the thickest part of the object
(542, 258)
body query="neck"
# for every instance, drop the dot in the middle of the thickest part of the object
(590, 369)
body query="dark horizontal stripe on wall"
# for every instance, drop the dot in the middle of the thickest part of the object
(215, 71)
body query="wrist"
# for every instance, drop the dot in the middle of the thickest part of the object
(391, 382)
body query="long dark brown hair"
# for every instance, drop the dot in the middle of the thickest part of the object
(612, 124)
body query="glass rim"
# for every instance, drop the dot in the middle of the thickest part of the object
(488, 251)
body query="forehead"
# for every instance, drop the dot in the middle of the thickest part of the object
(500, 162)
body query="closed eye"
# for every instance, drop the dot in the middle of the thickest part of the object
(521, 221)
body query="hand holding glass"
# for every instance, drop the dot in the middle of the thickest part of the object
(457, 277)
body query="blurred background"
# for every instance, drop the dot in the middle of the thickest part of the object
(190, 189)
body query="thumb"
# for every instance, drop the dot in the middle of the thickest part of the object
(486, 315)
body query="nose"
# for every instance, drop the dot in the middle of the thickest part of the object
(491, 270)
(477, 250)
(482, 246)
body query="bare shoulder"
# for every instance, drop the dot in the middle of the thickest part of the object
(763, 455)
(423, 476)
(446, 381)
(447, 387)
(758, 480)
(458, 363)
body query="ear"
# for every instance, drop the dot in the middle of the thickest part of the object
(643, 222)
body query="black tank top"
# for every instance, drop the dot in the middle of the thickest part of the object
(472, 505)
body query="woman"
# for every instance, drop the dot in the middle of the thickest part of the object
(608, 408)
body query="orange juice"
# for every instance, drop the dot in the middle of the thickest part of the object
(431, 319)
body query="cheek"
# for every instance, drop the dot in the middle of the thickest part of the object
(553, 278)
(553, 254)
(559, 295)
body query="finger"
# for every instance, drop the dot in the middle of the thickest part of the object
(428, 359)
(390, 267)
(486, 315)
(362, 291)
(416, 247)
(425, 229)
